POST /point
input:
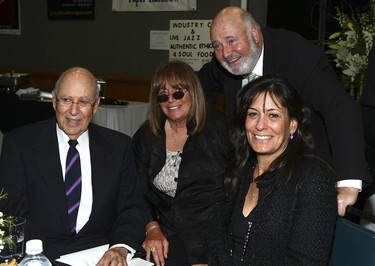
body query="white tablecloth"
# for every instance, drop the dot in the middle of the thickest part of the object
(126, 118)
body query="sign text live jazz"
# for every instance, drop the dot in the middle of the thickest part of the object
(192, 38)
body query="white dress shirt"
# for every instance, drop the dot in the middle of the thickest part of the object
(258, 69)
(83, 148)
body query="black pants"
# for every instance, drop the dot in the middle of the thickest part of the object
(177, 254)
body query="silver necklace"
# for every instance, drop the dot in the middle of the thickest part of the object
(179, 148)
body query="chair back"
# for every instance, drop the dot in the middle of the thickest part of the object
(353, 244)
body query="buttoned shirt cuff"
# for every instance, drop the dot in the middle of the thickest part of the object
(130, 253)
(355, 183)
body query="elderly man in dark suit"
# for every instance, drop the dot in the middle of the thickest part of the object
(244, 51)
(34, 171)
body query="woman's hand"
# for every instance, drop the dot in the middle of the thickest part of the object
(156, 244)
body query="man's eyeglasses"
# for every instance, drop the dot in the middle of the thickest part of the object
(67, 102)
(164, 96)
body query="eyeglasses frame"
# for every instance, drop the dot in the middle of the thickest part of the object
(68, 102)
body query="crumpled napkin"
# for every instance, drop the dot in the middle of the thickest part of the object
(29, 90)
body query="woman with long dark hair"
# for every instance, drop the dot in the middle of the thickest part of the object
(281, 197)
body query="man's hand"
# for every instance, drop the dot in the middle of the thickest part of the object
(346, 196)
(114, 257)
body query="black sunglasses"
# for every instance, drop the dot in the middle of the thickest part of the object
(177, 95)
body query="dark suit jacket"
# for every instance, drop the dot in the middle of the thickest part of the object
(336, 118)
(367, 101)
(368, 94)
(31, 174)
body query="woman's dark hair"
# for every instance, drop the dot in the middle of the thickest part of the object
(301, 144)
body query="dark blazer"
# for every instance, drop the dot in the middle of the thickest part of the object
(292, 225)
(336, 117)
(368, 94)
(200, 182)
(367, 101)
(31, 174)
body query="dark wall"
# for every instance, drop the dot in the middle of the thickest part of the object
(114, 43)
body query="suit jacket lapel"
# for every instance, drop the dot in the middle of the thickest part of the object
(47, 161)
(268, 64)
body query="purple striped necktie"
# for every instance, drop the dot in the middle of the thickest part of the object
(73, 184)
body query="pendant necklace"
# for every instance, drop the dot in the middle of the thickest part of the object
(254, 184)
(254, 187)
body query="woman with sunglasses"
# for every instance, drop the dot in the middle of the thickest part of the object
(181, 155)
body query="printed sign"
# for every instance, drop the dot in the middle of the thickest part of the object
(71, 9)
(190, 42)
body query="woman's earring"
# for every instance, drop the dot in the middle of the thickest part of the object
(291, 136)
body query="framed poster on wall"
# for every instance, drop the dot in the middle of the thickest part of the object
(71, 9)
(154, 5)
(10, 17)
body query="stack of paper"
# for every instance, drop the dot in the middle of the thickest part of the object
(90, 257)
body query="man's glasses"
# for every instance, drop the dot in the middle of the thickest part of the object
(67, 102)
(164, 96)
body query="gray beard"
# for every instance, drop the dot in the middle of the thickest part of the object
(249, 64)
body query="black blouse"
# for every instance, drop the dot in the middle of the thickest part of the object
(240, 227)
(289, 226)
